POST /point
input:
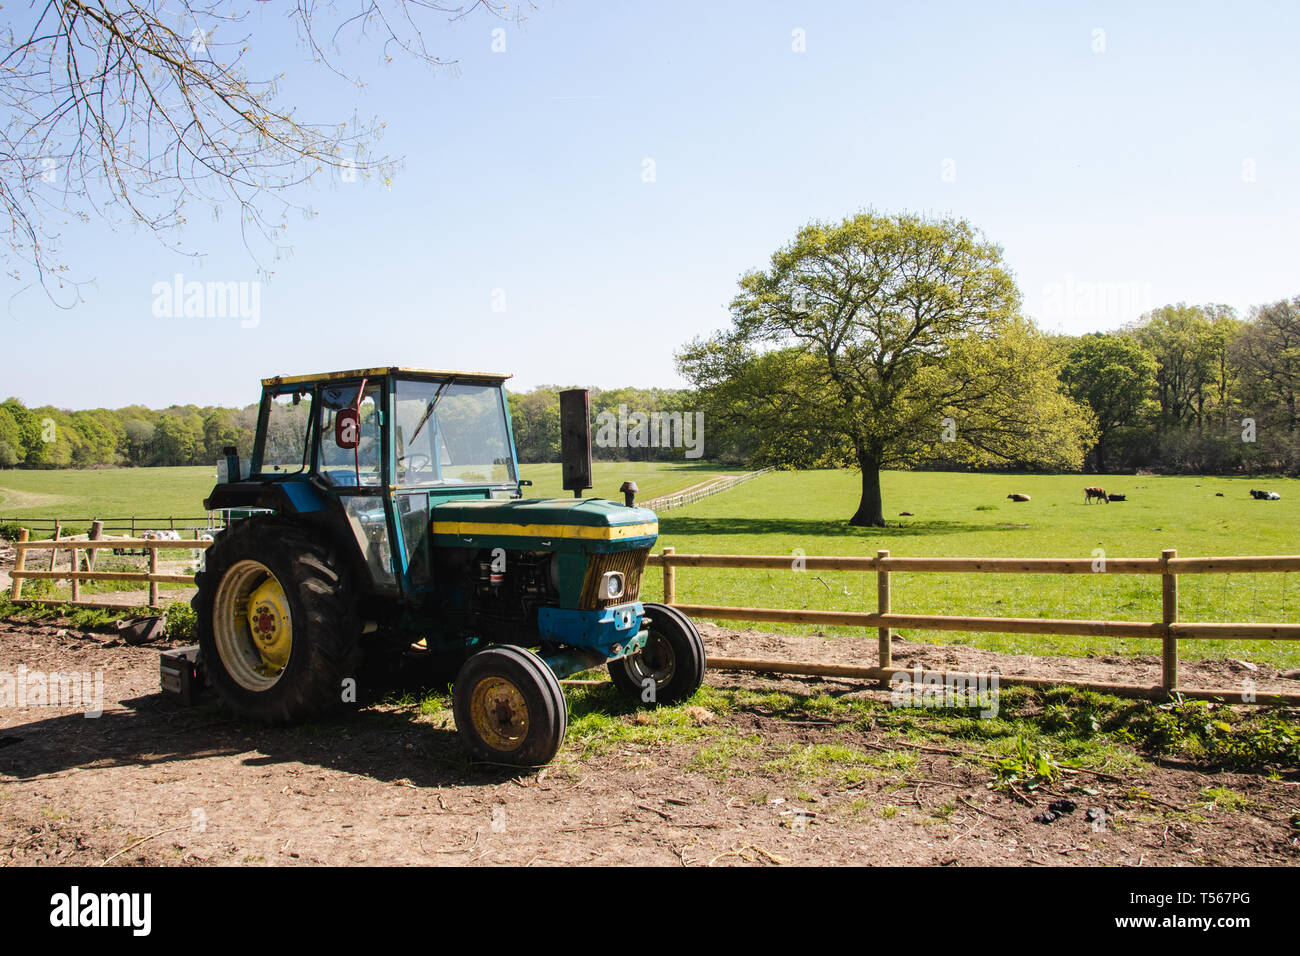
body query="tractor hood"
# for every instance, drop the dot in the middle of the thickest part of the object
(587, 524)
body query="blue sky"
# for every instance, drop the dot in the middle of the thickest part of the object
(1156, 161)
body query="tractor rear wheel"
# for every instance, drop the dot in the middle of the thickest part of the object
(509, 707)
(670, 668)
(277, 622)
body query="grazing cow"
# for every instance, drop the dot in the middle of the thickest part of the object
(1116, 498)
(1018, 497)
(1094, 492)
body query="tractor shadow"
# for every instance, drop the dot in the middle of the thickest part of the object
(384, 741)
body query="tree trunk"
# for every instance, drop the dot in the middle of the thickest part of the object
(870, 513)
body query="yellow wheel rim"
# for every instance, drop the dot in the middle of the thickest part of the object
(499, 714)
(270, 625)
(252, 625)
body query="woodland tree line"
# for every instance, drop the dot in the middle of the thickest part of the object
(1183, 389)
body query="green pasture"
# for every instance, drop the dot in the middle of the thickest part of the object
(954, 515)
(106, 492)
(179, 492)
(653, 478)
(964, 515)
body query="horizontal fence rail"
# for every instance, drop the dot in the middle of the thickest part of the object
(133, 525)
(1168, 630)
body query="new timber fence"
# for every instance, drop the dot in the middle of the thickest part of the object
(1168, 630)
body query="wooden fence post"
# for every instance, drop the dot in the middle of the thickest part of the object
(58, 529)
(20, 559)
(1169, 607)
(153, 569)
(886, 653)
(96, 532)
(670, 577)
(76, 582)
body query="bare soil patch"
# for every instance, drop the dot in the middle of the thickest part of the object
(150, 782)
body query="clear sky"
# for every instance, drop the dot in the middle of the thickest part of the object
(1124, 155)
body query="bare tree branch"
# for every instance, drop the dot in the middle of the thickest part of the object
(134, 110)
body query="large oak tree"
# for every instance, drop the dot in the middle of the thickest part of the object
(890, 340)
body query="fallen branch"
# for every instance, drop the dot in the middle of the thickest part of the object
(142, 842)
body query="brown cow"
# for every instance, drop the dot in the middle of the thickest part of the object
(1090, 493)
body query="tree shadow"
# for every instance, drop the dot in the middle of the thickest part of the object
(803, 528)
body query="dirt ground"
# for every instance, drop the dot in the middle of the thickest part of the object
(150, 782)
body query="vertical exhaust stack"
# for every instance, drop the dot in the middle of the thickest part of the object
(231, 454)
(575, 440)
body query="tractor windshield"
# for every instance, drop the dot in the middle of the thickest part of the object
(452, 433)
(284, 443)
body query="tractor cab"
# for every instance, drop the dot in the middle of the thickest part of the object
(378, 448)
(384, 507)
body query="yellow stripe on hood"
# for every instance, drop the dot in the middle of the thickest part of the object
(471, 528)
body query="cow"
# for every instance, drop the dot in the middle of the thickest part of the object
(1265, 495)
(1116, 498)
(1018, 497)
(1094, 492)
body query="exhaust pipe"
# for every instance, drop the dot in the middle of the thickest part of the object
(575, 440)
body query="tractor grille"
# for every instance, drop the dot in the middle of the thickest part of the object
(631, 563)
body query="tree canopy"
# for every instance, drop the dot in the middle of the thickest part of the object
(901, 336)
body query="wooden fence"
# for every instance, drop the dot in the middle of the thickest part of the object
(131, 526)
(74, 573)
(683, 498)
(1168, 630)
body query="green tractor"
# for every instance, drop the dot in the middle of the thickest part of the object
(384, 509)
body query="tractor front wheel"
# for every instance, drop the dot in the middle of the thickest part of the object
(509, 707)
(277, 621)
(670, 668)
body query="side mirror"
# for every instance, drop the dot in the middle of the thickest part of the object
(347, 428)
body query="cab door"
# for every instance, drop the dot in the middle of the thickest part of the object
(350, 458)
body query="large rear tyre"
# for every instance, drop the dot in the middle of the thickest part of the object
(670, 668)
(509, 707)
(277, 622)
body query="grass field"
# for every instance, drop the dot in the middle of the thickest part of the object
(961, 515)
(956, 515)
(179, 492)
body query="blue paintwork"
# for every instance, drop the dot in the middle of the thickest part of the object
(599, 631)
(304, 496)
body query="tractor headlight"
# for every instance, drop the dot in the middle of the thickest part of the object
(612, 585)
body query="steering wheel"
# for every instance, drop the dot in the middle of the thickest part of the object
(419, 462)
